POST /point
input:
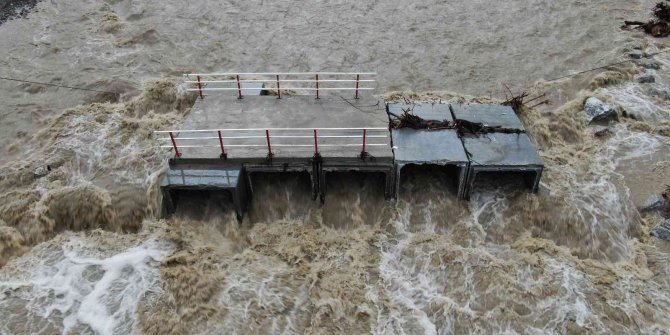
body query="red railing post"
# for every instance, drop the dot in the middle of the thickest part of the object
(364, 138)
(200, 88)
(223, 150)
(174, 145)
(358, 78)
(317, 86)
(316, 144)
(267, 136)
(278, 89)
(239, 87)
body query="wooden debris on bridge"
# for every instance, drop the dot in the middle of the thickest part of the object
(476, 128)
(410, 120)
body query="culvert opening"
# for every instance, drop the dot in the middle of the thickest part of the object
(279, 195)
(202, 204)
(415, 177)
(507, 181)
(354, 198)
(355, 182)
(294, 182)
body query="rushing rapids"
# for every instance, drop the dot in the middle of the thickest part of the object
(82, 249)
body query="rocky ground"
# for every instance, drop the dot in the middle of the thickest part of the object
(10, 9)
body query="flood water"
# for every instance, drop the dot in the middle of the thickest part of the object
(83, 250)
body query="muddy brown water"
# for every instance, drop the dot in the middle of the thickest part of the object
(83, 250)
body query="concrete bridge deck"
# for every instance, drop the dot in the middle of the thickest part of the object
(289, 116)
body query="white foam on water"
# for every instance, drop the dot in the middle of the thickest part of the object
(633, 98)
(76, 289)
(247, 289)
(97, 144)
(410, 282)
(572, 304)
(600, 197)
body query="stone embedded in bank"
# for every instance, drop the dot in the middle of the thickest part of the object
(660, 94)
(646, 78)
(596, 111)
(662, 231)
(654, 203)
(649, 64)
(41, 171)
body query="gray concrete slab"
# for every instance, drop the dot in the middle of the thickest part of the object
(434, 147)
(502, 153)
(424, 110)
(490, 115)
(501, 150)
(427, 146)
(227, 112)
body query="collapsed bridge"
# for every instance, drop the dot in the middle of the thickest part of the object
(322, 124)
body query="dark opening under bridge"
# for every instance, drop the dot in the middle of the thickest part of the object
(267, 127)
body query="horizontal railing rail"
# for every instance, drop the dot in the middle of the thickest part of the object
(276, 82)
(289, 140)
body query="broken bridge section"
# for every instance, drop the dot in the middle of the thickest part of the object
(472, 138)
(502, 148)
(425, 147)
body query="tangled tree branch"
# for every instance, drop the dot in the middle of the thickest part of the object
(517, 101)
(662, 11)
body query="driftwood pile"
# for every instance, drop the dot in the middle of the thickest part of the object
(476, 128)
(658, 26)
(410, 120)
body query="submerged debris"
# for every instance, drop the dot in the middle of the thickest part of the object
(662, 11)
(657, 27)
(602, 132)
(653, 27)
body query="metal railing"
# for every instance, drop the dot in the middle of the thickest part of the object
(275, 83)
(287, 141)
